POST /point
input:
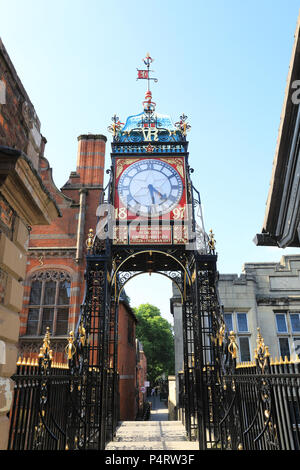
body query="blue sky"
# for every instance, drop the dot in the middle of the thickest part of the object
(224, 63)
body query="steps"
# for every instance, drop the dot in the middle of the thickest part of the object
(151, 435)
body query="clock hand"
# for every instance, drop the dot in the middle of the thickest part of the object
(150, 187)
(162, 196)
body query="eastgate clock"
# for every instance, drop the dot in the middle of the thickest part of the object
(150, 187)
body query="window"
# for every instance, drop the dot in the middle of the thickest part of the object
(281, 323)
(238, 321)
(244, 349)
(228, 321)
(49, 303)
(284, 347)
(295, 322)
(242, 322)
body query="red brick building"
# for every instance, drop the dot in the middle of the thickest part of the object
(54, 282)
(24, 202)
(127, 362)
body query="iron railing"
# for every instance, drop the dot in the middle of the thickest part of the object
(38, 415)
(46, 412)
(256, 405)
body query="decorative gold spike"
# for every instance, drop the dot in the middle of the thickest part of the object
(260, 342)
(24, 362)
(233, 347)
(82, 333)
(19, 361)
(70, 349)
(211, 241)
(221, 334)
(90, 239)
(46, 344)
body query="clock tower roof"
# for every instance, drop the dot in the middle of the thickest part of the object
(138, 121)
(148, 125)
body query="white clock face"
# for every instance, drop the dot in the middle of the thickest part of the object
(150, 187)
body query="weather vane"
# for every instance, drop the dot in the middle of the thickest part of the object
(149, 105)
(145, 74)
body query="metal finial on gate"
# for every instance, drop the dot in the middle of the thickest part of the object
(90, 239)
(45, 349)
(70, 349)
(232, 347)
(221, 334)
(211, 241)
(262, 351)
(260, 343)
(82, 333)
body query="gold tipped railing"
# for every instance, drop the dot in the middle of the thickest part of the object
(261, 354)
(45, 353)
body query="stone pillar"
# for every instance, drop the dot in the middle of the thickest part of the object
(178, 335)
(172, 402)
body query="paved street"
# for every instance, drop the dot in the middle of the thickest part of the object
(156, 434)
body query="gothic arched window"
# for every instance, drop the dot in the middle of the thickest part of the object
(49, 303)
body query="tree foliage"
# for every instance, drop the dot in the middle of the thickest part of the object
(156, 335)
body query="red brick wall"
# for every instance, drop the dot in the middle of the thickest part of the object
(127, 364)
(55, 246)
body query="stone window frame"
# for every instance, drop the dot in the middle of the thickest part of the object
(289, 334)
(44, 276)
(240, 334)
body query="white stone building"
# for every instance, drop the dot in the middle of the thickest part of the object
(265, 296)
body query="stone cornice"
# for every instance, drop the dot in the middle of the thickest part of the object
(24, 190)
(277, 301)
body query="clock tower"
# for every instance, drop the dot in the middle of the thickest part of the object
(151, 221)
(152, 191)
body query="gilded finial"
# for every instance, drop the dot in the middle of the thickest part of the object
(70, 348)
(82, 334)
(116, 125)
(221, 333)
(262, 351)
(183, 125)
(45, 349)
(211, 241)
(233, 347)
(90, 239)
(260, 343)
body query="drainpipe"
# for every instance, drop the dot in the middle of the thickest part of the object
(81, 221)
